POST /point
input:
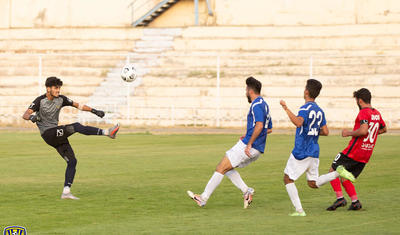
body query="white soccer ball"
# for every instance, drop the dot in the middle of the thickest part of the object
(129, 73)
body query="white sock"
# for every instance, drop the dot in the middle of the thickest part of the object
(106, 132)
(213, 183)
(234, 176)
(66, 190)
(294, 196)
(323, 179)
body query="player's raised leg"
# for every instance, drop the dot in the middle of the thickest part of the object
(345, 174)
(90, 130)
(340, 171)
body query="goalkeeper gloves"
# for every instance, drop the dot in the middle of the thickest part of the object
(34, 118)
(98, 112)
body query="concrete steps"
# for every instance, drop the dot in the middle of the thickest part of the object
(67, 80)
(66, 90)
(71, 33)
(292, 31)
(270, 80)
(60, 45)
(276, 71)
(298, 44)
(112, 92)
(178, 71)
(301, 38)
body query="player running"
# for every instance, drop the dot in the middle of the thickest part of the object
(47, 108)
(368, 125)
(247, 150)
(310, 123)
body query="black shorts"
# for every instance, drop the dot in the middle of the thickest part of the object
(57, 136)
(351, 165)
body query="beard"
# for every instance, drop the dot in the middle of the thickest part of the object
(249, 99)
(358, 104)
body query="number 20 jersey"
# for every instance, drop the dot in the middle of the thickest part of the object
(360, 148)
(306, 140)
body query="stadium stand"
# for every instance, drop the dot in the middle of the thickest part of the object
(344, 58)
(178, 68)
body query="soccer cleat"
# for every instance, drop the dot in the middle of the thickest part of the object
(355, 206)
(197, 198)
(113, 131)
(69, 196)
(340, 202)
(345, 173)
(248, 197)
(296, 213)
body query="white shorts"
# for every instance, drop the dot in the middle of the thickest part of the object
(238, 157)
(295, 168)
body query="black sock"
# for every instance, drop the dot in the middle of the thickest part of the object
(87, 130)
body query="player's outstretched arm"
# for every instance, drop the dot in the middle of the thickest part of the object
(324, 131)
(363, 130)
(86, 108)
(297, 121)
(28, 115)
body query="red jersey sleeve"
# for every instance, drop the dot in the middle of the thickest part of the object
(363, 117)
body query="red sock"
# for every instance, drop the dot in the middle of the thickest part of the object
(351, 191)
(337, 188)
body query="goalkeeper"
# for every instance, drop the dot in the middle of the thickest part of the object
(47, 110)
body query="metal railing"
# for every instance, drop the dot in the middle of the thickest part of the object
(142, 8)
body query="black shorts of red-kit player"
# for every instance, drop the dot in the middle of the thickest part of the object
(351, 165)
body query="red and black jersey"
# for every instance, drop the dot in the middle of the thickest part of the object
(360, 148)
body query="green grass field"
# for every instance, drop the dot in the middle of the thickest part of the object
(137, 184)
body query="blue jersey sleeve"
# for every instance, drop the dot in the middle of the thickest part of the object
(258, 114)
(304, 114)
(323, 123)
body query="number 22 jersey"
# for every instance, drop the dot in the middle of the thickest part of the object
(360, 148)
(306, 140)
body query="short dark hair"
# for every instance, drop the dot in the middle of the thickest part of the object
(313, 87)
(363, 94)
(53, 81)
(254, 84)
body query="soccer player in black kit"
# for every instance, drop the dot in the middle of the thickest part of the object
(47, 110)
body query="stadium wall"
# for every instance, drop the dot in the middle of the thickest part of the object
(116, 13)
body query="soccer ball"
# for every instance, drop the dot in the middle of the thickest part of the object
(129, 73)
